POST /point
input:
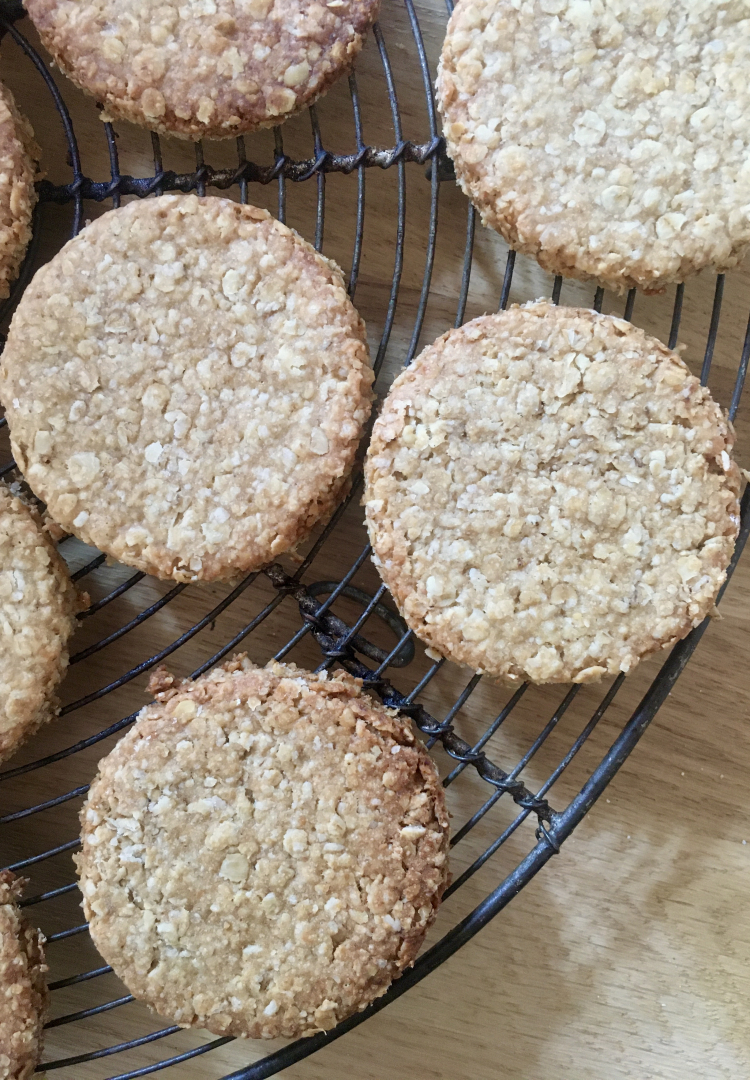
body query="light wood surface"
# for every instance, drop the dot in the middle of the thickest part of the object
(628, 956)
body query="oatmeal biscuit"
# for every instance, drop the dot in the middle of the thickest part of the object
(264, 851)
(38, 604)
(550, 496)
(18, 155)
(186, 385)
(23, 988)
(610, 140)
(204, 70)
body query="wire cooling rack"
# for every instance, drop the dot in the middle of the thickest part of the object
(347, 618)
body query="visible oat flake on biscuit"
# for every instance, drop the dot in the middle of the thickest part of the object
(186, 384)
(264, 851)
(204, 68)
(550, 495)
(608, 138)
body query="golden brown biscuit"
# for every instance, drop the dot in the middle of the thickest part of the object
(204, 382)
(38, 604)
(264, 851)
(204, 70)
(609, 140)
(18, 156)
(23, 989)
(550, 495)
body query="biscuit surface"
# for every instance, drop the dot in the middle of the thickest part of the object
(186, 385)
(264, 851)
(37, 617)
(18, 154)
(550, 496)
(204, 70)
(609, 139)
(23, 988)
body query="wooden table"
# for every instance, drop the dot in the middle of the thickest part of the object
(628, 956)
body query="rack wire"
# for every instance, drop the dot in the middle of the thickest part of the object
(372, 643)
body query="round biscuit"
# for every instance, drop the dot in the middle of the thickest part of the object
(38, 604)
(18, 156)
(204, 70)
(550, 496)
(186, 384)
(24, 998)
(264, 851)
(610, 140)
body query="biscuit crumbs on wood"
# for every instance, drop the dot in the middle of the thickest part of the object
(38, 605)
(609, 139)
(264, 851)
(204, 68)
(24, 998)
(550, 495)
(186, 384)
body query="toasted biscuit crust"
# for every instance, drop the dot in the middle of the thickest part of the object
(204, 382)
(18, 156)
(264, 851)
(38, 604)
(550, 496)
(23, 988)
(609, 140)
(204, 70)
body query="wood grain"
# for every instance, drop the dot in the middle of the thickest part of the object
(627, 957)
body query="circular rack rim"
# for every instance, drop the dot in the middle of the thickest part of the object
(339, 642)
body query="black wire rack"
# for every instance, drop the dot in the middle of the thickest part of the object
(593, 731)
